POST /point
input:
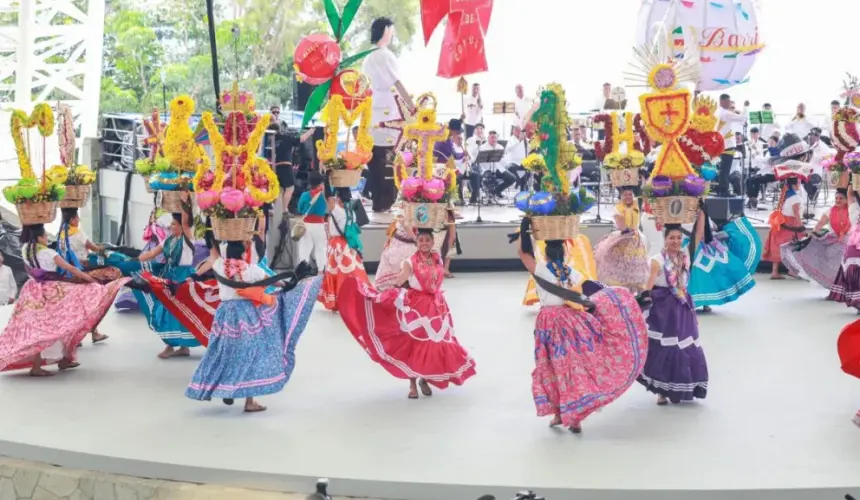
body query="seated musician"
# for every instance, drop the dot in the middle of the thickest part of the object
(516, 151)
(502, 178)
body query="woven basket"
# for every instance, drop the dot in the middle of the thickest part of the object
(425, 215)
(624, 176)
(345, 178)
(76, 196)
(36, 213)
(675, 209)
(171, 201)
(238, 229)
(555, 227)
(855, 182)
(146, 184)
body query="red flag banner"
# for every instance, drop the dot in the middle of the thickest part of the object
(463, 50)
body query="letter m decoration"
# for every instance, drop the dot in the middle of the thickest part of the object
(463, 50)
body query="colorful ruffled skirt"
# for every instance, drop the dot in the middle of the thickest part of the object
(252, 348)
(722, 270)
(578, 256)
(622, 260)
(408, 332)
(51, 318)
(816, 256)
(676, 366)
(585, 361)
(785, 234)
(846, 286)
(343, 263)
(158, 315)
(395, 253)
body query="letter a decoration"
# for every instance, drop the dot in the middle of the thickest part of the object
(463, 50)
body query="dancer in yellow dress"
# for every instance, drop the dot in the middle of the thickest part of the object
(578, 256)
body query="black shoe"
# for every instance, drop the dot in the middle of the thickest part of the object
(228, 401)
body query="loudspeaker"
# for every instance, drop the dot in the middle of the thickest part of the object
(723, 209)
(301, 94)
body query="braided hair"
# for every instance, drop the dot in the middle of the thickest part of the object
(30, 235)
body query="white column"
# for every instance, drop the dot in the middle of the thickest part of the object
(89, 117)
(26, 37)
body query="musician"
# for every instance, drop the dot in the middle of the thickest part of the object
(474, 111)
(727, 119)
(502, 178)
(522, 106)
(515, 152)
(584, 147)
(474, 143)
(756, 146)
(762, 172)
(381, 67)
(453, 148)
(800, 124)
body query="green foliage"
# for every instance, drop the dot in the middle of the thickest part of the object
(155, 52)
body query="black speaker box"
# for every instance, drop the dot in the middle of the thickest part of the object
(723, 209)
(301, 94)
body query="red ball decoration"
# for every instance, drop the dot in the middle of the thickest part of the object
(353, 86)
(316, 58)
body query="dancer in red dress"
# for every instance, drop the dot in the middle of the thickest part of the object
(409, 331)
(343, 252)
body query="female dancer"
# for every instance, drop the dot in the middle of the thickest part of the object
(846, 286)
(154, 234)
(179, 254)
(723, 263)
(253, 340)
(820, 255)
(344, 248)
(409, 331)
(583, 360)
(675, 369)
(786, 226)
(400, 247)
(622, 255)
(52, 314)
(578, 257)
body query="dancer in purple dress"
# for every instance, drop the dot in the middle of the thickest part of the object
(675, 369)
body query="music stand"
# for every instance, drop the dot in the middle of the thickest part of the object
(488, 156)
(597, 219)
(504, 108)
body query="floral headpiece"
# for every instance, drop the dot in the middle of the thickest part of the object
(29, 189)
(426, 186)
(69, 173)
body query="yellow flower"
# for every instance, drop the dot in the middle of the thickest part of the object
(534, 162)
(57, 174)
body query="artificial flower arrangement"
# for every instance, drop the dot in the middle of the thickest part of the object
(845, 132)
(35, 199)
(427, 194)
(78, 179)
(851, 162)
(242, 181)
(555, 210)
(674, 188)
(155, 162)
(701, 143)
(623, 166)
(184, 156)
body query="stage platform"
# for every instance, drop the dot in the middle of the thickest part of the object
(776, 424)
(485, 244)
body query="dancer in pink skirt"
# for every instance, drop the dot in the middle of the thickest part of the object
(584, 359)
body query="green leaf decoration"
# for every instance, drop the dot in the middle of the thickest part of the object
(333, 18)
(349, 11)
(315, 102)
(351, 60)
(731, 56)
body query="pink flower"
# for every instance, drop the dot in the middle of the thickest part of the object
(251, 202)
(207, 199)
(232, 199)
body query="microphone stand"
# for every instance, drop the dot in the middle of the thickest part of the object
(598, 219)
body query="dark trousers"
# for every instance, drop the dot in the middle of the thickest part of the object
(755, 183)
(726, 161)
(504, 180)
(366, 191)
(470, 130)
(474, 180)
(521, 175)
(735, 183)
(381, 179)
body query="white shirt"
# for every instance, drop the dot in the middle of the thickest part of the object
(473, 144)
(800, 127)
(474, 113)
(728, 119)
(8, 287)
(661, 276)
(521, 108)
(78, 242)
(338, 214)
(460, 165)
(498, 166)
(543, 272)
(767, 130)
(819, 151)
(788, 206)
(249, 275)
(381, 67)
(756, 150)
(187, 257)
(515, 151)
(854, 213)
(44, 257)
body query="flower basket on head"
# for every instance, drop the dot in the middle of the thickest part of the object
(78, 179)
(555, 210)
(675, 209)
(425, 215)
(345, 178)
(345, 167)
(170, 201)
(235, 229)
(76, 196)
(184, 157)
(37, 213)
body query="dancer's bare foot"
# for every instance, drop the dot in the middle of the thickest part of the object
(777, 277)
(448, 274)
(662, 401)
(413, 389)
(556, 421)
(166, 353)
(98, 337)
(170, 352)
(67, 364)
(252, 406)
(425, 387)
(40, 372)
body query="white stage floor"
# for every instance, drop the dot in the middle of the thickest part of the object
(778, 415)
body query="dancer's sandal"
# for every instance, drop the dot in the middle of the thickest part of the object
(66, 364)
(662, 401)
(228, 401)
(254, 408)
(98, 337)
(425, 387)
(576, 428)
(413, 393)
(556, 421)
(40, 373)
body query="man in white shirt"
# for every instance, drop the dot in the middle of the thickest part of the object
(516, 151)
(522, 106)
(727, 120)
(381, 67)
(600, 104)
(800, 124)
(474, 143)
(8, 286)
(769, 129)
(474, 110)
(756, 146)
(504, 179)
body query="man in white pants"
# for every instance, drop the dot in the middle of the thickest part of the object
(312, 207)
